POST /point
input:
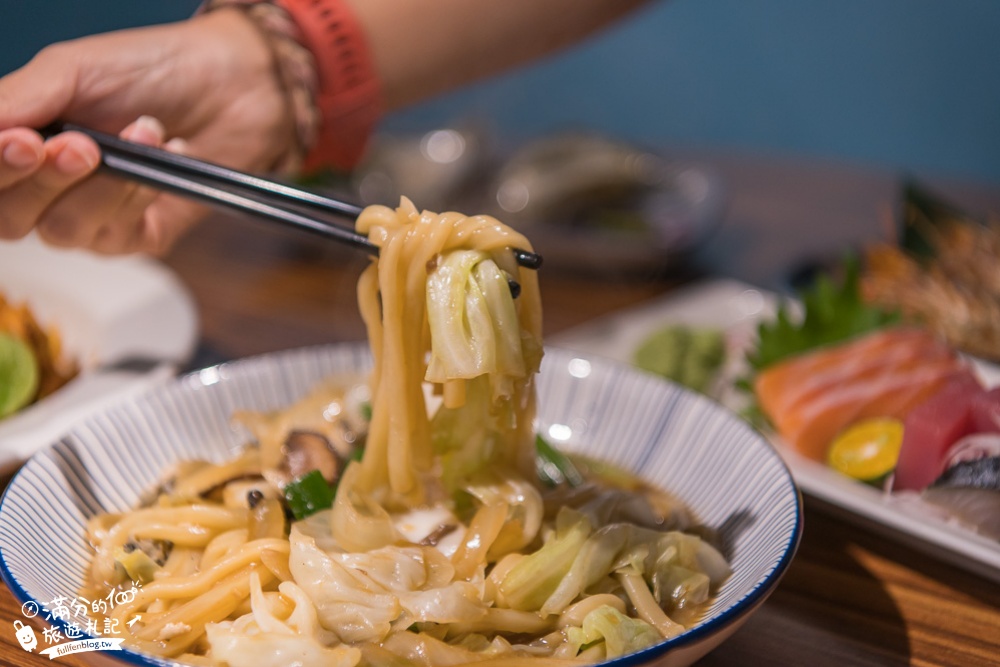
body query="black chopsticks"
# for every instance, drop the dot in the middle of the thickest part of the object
(220, 186)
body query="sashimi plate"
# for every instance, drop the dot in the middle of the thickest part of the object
(736, 308)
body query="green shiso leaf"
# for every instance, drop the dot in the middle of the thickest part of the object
(832, 312)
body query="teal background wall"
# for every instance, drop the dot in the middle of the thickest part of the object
(912, 85)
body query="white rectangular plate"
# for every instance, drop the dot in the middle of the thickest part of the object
(737, 308)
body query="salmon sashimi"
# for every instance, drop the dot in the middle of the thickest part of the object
(782, 384)
(810, 399)
(862, 369)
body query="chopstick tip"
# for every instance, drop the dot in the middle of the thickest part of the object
(528, 260)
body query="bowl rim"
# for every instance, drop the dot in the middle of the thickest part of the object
(746, 604)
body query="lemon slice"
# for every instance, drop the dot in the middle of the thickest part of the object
(18, 375)
(868, 450)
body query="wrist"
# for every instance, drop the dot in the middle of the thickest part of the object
(243, 93)
(321, 55)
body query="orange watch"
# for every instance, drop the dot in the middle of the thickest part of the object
(322, 57)
(348, 95)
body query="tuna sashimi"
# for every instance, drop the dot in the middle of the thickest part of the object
(812, 398)
(931, 428)
(986, 412)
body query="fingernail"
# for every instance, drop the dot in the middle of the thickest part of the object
(20, 155)
(145, 129)
(73, 161)
(176, 145)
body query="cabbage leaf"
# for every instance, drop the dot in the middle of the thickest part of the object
(621, 635)
(473, 322)
(535, 577)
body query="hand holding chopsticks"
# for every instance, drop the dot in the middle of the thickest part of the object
(227, 188)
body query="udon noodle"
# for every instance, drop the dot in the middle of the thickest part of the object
(414, 519)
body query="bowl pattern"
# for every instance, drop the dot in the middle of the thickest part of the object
(713, 461)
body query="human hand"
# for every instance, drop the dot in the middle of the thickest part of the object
(209, 83)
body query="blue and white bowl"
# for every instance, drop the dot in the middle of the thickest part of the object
(726, 472)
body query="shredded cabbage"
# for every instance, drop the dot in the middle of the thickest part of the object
(261, 639)
(473, 322)
(535, 577)
(364, 596)
(621, 635)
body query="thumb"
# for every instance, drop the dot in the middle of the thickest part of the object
(38, 93)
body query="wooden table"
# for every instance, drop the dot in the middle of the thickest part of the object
(851, 597)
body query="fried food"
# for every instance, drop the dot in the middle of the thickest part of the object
(941, 271)
(55, 367)
(956, 292)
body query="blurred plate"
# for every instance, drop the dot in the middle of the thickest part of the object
(737, 308)
(128, 322)
(592, 203)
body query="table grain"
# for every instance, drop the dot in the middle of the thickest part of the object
(854, 595)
